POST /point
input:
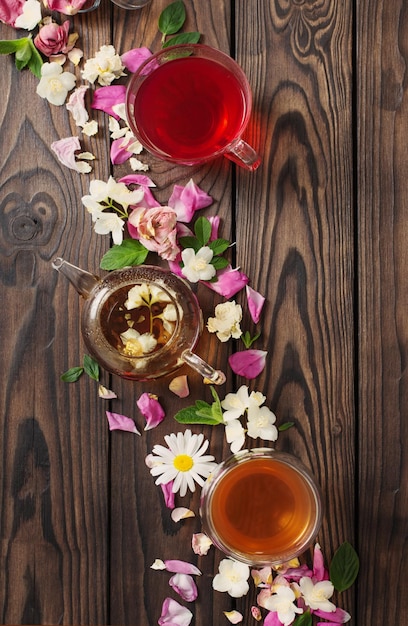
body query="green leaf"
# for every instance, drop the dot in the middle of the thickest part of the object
(129, 252)
(72, 375)
(91, 367)
(344, 567)
(216, 408)
(219, 262)
(303, 620)
(35, 63)
(285, 426)
(172, 18)
(190, 242)
(202, 230)
(247, 340)
(190, 415)
(23, 54)
(11, 46)
(182, 38)
(218, 246)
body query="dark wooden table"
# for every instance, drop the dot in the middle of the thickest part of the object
(321, 229)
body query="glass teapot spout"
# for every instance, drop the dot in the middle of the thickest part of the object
(84, 282)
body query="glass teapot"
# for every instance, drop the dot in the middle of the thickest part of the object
(140, 322)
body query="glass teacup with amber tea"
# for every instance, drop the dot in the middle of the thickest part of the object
(140, 322)
(261, 507)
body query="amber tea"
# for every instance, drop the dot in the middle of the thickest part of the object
(262, 507)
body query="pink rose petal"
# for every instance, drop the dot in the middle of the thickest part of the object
(337, 617)
(235, 617)
(187, 200)
(181, 512)
(256, 613)
(121, 422)
(118, 152)
(10, 10)
(65, 150)
(229, 282)
(138, 179)
(184, 585)
(107, 97)
(255, 303)
(179, 386)
(215, 224)
(181, 567)
(76, 105)
(201, 543)
(68, 7)
(168, 494)
(133, 59)
(272, 619)
(174, 614)
(151, 409)
(319, 571)
(248, 363)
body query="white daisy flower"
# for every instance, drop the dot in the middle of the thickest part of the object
(183, 462)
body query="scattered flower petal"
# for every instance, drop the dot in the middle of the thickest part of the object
(137, 165)
(201, 543)
(65, 150)
(158, 565)
(248, 363)
(319, 570)
(174, 614)
(181, 567)
(121, 422)
(76, 105)
(181, 512)
(75, 55)
(133, 59)
(235, 617)
(30, 16)
(229, 282)
(184, 585)
(187, 200)
(256, 613)
(9, 11)
(339, 616)
(67, 7)
(255, 303)
(105, 98)
(151, 409)
(168, 494)
(105, 393)
(179, 386)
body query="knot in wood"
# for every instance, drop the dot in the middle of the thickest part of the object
(25, 227)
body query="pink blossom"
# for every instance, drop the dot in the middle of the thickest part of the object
(156, 229)
(229, 282)
(255, 303)
(53, 38)
(133, 59)
(151, 409)
(187, 200)
(184, 585)
(67, 7)
(248, 363)
(174, 614)
(121, 422)
(168, 494)
(105, 98)
(10, 10)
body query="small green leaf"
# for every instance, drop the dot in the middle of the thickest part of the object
(216, 408)
(218, 246)
(23, 54)
(35, 63)
(11, 46)
(182, 38)
(202, 230)
(72, 375)
(285, 426)
(190, 242)
(247, 340)
(190, 415)
(172, 18)
(129, 252)
(219, 262)
(91, 367)
(344, 567)
(303, 620)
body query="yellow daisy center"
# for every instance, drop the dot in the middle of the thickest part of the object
(183, 462)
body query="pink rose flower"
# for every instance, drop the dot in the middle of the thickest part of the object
(156, 229)
(53, 38)
(10, 10)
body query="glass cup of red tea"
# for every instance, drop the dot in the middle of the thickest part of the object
(189, 104)
(261, 507)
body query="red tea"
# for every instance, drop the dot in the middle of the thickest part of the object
(263, 507)
(188, 108)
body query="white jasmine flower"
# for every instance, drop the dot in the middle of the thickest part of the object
(235, 404)
(183, 462)
(137, 165)
(235, 435)
(282, 601)
(316, 595)
(30, 16)
(55, 83)
(226, 321)
(105, 223)
(103, 192)
(145, 295)
(104, 67)
(232, 578)
(137, 344)
(197, 266)
(90, 128)
(261, 422)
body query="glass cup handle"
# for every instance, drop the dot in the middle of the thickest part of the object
(216, 377)
(243, 154)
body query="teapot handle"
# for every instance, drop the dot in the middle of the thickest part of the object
(210, 375)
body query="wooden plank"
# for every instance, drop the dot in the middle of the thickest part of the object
(383, 328)
(54, 485)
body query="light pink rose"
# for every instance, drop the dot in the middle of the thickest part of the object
(53, 38)
(156, 229)
(67, 7)
(10, 10)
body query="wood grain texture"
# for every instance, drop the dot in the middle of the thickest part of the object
(382, 57)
